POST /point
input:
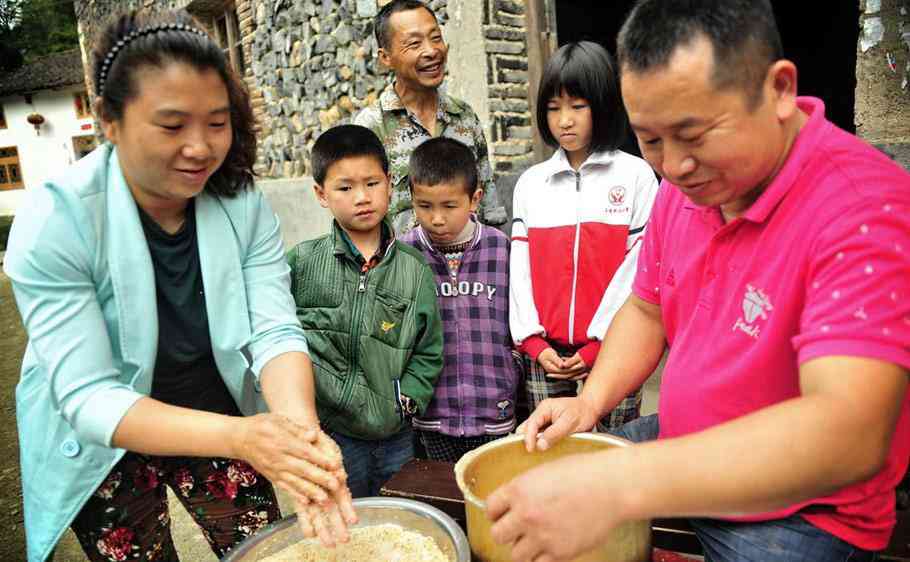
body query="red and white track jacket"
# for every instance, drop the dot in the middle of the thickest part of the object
(575, 244)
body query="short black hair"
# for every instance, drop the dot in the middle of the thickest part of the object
(345, 141)
(440, 160)
(133, 41)
(585, 70)
(381, 20)
(743, 34)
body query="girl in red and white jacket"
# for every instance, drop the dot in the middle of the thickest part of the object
(578, 221)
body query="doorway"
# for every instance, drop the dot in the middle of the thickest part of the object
(825, 54)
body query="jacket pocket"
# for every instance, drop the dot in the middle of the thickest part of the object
(376, 415)
(388, 316)
(329, 389)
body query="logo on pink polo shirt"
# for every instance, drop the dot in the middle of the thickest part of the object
(756, 305)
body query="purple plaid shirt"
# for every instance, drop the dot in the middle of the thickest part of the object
(475, 394)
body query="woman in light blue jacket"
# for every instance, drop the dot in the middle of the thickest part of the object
(152, 283)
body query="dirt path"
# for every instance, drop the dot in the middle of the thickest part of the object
(12, 344)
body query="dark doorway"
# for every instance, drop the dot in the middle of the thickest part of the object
(598, 21)
(824, 52)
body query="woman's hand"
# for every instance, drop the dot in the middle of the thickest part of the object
(328, 521)
(290, 455)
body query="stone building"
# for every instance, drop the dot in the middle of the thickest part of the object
(311, 64)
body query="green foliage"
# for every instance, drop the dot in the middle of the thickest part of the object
(36, 28)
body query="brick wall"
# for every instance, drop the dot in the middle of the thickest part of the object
(507, 74)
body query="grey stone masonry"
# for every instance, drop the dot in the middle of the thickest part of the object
(312, 64)
(507, 63)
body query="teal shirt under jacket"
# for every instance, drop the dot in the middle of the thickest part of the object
(83, 280)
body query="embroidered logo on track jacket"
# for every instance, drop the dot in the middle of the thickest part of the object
(575, 242)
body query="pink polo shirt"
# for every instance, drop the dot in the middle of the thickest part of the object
(818, 266)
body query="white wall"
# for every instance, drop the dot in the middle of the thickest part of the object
(46, 154)
(301, 216)
(467, 61)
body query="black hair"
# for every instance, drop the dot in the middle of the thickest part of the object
(743, 34)
(381, 20)
(585, 70)
(345, 141)
(133, 41)
(441, 160)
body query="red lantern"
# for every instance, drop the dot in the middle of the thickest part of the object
(36, 120)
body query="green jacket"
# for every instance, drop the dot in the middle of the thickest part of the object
(364, 330)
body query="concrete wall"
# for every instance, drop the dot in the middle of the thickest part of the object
(301, 216)
(48, 153)
(467, 78)
(882, 93)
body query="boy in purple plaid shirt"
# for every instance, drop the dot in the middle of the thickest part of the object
(474, 401)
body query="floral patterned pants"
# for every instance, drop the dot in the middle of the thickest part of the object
(127, 517)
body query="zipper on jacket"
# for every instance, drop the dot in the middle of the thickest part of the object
(575, 259)
(356, 321)
(454, 280)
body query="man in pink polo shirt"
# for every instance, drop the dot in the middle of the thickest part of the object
(776, 267)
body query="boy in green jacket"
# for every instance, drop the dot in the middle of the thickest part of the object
(368, 306)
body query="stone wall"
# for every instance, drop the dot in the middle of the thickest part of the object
(507, 75)
(883, 77)
(311, 64)
(315, 63)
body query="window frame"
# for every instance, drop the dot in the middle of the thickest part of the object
(230, 39)
(81, 99)
(5, 163)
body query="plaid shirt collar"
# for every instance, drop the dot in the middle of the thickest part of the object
(348, 247)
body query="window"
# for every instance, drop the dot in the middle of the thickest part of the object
(82, 105)
(10, 173)
(2, 118)
(227, 34)
(82, 145)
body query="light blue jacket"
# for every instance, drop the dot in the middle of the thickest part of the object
(84, 284)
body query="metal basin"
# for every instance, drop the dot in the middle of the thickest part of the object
(410, 514)
(486, 468)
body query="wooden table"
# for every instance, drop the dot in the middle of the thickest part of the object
(433, 482)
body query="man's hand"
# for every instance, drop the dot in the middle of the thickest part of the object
(557, 418)
(290, 455)
(546, 516)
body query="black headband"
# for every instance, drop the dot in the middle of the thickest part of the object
(124, 41)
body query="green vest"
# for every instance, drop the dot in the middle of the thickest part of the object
(364, 331)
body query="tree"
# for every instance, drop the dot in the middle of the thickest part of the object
(36, 28)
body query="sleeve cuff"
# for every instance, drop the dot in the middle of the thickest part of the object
(274, 351)
(100, 414)
(533, 346)
(854, 348)
(589, 353)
